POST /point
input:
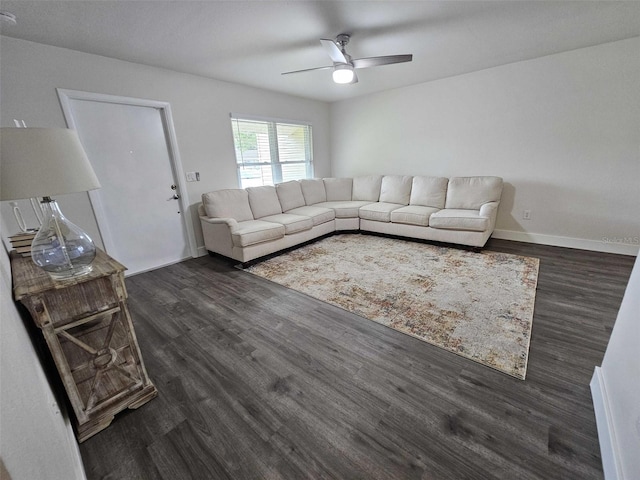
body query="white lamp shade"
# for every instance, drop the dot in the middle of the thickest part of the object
(39, 162)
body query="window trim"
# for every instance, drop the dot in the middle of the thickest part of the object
(259, 118)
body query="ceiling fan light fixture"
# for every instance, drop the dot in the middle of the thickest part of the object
(344, 65)
(343, 73)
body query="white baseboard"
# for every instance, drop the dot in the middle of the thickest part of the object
(569, 242)
(202, 251)
(130, 273)
(606, 434)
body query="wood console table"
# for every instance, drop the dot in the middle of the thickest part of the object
(87, 326)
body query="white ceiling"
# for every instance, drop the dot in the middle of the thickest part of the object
(252, 42)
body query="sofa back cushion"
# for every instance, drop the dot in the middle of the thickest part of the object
(313, 191)
(472, 192)
(366, 188)
(338, 189)
(264, 201)
(290, 195)
(396, 189)
(231, 203)
(429, 191)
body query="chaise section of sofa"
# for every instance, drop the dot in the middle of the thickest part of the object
(251, 223)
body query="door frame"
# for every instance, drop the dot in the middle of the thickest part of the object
(66, 96)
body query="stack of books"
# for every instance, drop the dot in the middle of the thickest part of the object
(21, 242)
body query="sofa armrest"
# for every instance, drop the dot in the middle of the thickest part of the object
(489, 209)
(216, 232)
(230, 222)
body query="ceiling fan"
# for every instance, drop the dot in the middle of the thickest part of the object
(344, 66)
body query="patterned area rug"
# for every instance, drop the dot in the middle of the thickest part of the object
(478, 305)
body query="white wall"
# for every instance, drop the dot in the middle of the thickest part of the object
(563, 131)
(36, 441)
(616, 389)
(30, 73)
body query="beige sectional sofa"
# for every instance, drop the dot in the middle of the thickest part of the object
(245, 224)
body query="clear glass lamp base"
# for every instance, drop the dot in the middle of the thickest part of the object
(71, 273)
(61, 248)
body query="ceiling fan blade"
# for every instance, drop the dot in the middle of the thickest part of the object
(307, 70)
(376, 61)
(334, 52)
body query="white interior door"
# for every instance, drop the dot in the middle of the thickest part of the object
(141, 222)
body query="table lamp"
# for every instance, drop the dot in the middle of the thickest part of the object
(42, 162)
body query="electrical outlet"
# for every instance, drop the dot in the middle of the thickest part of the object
(526, 214)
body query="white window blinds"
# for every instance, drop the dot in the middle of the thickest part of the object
(270, 152)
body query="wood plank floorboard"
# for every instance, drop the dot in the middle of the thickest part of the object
(259, 381)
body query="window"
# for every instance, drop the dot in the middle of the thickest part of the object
(270, 152)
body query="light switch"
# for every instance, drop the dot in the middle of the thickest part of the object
(193, 176)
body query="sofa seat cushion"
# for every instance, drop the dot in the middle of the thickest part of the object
(319, 215)
(378, 212)
(292, 223)
(251, 232)
(459, 219)
(344, 209)
(413, 215)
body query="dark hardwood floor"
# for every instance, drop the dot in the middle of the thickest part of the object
(258, 381)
